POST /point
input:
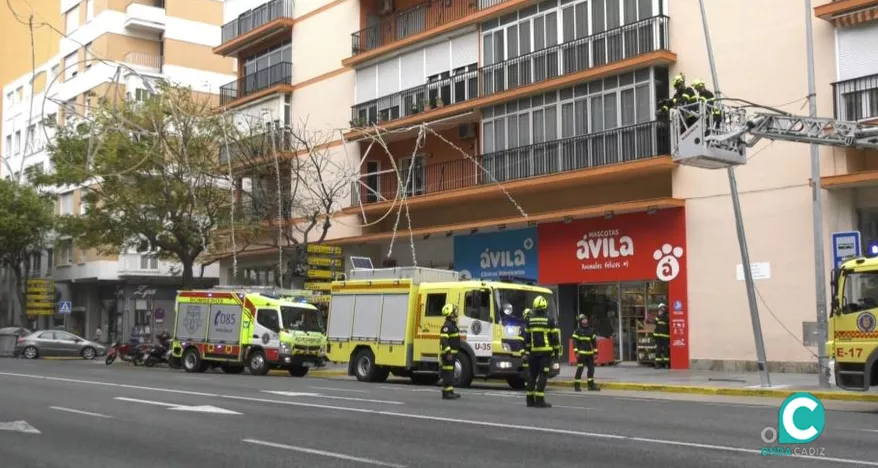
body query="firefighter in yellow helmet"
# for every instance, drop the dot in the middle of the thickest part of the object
(542, 344)
(449, 343)
(525, 356)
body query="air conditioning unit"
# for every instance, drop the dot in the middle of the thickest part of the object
(466, 131)
(386, 6)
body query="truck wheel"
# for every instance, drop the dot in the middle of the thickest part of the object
(516, 382)
(366, 370)
(257, 363)
(298, 371)
(424, 379)
(191, 361)
(463, 371)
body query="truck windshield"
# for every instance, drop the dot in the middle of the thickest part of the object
(301, 319)
(517, 300)
(860, 291)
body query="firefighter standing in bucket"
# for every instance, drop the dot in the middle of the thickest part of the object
(449, 344)
(585, 341)
(542, 344)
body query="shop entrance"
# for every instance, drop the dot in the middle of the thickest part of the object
(624, 312)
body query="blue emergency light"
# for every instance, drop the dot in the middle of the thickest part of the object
(872, 251)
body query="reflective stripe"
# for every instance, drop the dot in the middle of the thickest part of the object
(540, 394)
(580, 365)
(449, 335)
(447, 367)
(447, 389)
(545, 369)
(446, 349)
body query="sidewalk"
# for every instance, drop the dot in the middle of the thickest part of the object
(637, 378)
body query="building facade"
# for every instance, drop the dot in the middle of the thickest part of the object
(514, 122)
(112, 49)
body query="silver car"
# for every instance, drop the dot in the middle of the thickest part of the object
(57, 343)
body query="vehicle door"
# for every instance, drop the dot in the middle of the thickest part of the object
(46, 345)
(267, 332)
(67, 344)
(477, 321)
(429, 323)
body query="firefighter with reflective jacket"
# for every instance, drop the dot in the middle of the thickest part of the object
(585, 341)
(449, 343)
(709, 99)
(525, 356)
(683, 96)
(542, 344)
(662, 338)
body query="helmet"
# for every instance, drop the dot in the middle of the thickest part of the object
(526, 313)
(678, 80)
(698, 84)
(581, 317)
(662, 306)
(449, 310)
(540, 303)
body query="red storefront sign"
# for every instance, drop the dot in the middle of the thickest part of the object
(630, 247)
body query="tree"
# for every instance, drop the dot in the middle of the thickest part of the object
(150, 169)
(26, 222)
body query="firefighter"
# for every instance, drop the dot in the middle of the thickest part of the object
(585, 341)
(662, 338)
(542, 344)
(449, 343)
(664, 109)
(709, 99)
(684, 96)
(525, 356)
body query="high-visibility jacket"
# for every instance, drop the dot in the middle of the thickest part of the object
(449, 337)
(661, 327)
(541, 335)
(585, 341)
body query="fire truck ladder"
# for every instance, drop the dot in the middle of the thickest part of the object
(714, 136)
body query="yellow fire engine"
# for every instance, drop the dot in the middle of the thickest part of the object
(384, 321)
(260, 329)
(853, 333)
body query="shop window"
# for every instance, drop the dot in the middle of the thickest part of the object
(268, 319)
(478, 305)
(434, 305)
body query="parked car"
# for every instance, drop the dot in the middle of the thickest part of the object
(9, 336)
(56, 343)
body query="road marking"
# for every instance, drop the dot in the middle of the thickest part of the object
(340, 456)
(869, 430)
(773, 387)
(333, 397)
(575, 407)
(173, 407)
(19, 426)
(339, 389)
(86, 413)
(438, 418)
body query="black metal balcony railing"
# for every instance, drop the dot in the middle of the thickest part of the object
(279, 73)
(857, 98)
(632, 143)
(256, 17)
(631, 40)
(251, 149)
(420, 18)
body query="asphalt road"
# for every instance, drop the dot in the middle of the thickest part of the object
(91, 415)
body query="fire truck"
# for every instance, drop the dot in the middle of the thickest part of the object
(853, 338)
(387, 321)
(259, 329)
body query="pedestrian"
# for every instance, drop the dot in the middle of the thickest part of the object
(449, 344)
(98, 335)
(542, 344)
(662, 338)
(585, 346)
(525, 356)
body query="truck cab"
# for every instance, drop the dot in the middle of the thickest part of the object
(852, 338)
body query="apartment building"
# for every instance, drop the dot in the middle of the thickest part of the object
(547, 108)
(113, 49)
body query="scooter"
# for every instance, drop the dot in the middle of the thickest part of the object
(126, 352)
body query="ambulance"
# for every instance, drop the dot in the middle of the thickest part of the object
(852, 344)
(259, 329)
(386, 321)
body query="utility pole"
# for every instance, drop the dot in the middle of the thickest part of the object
(817, 213)
(739, 224)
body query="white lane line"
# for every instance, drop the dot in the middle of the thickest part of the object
(147, 402)
(868, 430)
(549, 430)
(339, 389)
(323, 453)
(333, 397)
(575, 407)
(86, 413)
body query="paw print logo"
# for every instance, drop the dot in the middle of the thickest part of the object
(668, 266)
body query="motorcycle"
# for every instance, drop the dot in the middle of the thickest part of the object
(152, 354)
(126, 352)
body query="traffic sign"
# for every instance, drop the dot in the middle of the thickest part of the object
(846, 245)
(324, 261)
(323, 249)
(65, 307)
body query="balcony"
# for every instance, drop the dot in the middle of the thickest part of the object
(492, 83)
(848, 12)
(146, 16)
(416, 20)
(138, 265)
(253, 148)
(257, 25)
(856, 99)
(621, 145)
(144, 62)
(256, 83)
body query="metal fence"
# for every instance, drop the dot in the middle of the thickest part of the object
(857, 98)
(256, 17)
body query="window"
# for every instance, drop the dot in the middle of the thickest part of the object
(64, 336)
(89, 10)
(72, 17)
(10, 99)
(141, 95)
(65, 252)
(65, 202)
(149, 262)
(56, 72)
(268, 319)
(29, 140)
(47, 336)
(36, 263)
(477, 305)
(267, 68)
(434, 305)
(89, 56)
(18, 142)
(71, 66)
(50, 261)
(8, 148)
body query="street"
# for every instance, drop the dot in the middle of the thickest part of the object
(81, 413)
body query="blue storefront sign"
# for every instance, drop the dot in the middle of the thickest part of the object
(497, 255)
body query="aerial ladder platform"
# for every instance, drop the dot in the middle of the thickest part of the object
(716, 135)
